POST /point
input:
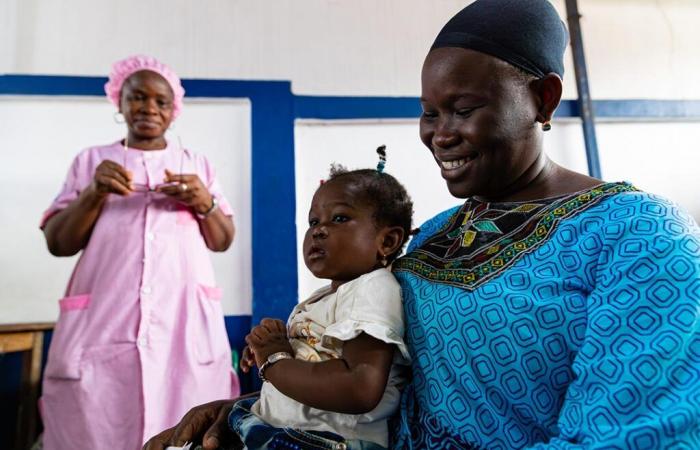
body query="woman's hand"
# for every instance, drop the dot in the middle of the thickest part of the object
(189, 190)
(68, 231)
(111, 178)
(217, 228)
(267, 338)
(207, 423)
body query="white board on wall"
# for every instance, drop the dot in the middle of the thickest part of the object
(353, 144)
(41, 135)
(659, 157)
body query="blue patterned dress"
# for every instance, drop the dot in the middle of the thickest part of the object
(566, 323)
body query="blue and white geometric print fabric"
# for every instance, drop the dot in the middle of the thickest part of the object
(591, 340)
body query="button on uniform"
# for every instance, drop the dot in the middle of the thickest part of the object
(150, 236)
(146, 290)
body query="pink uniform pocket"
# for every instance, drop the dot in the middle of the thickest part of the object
(68, 338)
(211, 337)
(72, 303)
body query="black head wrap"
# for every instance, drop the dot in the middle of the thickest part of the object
(525, 33)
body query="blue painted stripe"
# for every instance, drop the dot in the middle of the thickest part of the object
(94, 86)
(274, 203)
(51, 85)
(334, 108)
(237, 327)
(648, 109)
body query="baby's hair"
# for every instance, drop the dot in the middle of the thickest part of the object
(392, 204)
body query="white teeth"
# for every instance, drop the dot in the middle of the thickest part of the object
(449, 165)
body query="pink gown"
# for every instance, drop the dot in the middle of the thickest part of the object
(140, 338)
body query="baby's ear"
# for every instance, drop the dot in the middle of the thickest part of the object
(392, 239)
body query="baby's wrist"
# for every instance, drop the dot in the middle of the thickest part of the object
(271, 361)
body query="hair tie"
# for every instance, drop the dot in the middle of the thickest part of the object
(381, 151)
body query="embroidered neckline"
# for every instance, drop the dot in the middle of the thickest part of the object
(482, 239)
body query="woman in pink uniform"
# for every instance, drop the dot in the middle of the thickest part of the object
(141, 337)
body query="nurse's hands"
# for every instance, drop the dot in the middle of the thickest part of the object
(204, 423)
(188, 189)
(112, 178)
(267, 338)
(216, 227)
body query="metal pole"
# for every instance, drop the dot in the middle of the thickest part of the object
(584, 97)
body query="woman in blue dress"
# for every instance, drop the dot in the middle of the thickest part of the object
(549, 310)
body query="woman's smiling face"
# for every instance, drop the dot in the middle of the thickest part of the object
(479, 121)
(147, 105)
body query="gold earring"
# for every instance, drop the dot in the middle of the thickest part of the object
(546, 125)
(384, 261)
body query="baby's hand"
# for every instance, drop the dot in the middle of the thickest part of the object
(267, 338)
(247, 359)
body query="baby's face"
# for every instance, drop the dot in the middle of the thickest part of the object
(342, 241)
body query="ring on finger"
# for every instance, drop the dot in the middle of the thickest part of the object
(183, 187)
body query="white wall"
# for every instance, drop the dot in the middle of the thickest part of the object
(635, 48)
(39, 139)
(640, 48)
(659, 157)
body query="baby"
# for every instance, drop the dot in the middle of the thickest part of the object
(332, 374)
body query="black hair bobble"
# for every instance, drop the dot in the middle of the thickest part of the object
(381, 151)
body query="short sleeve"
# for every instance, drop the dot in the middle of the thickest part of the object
(371, 305)
(214, 187)
(78, 178)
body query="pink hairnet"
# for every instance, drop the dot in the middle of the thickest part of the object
(121, 70)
